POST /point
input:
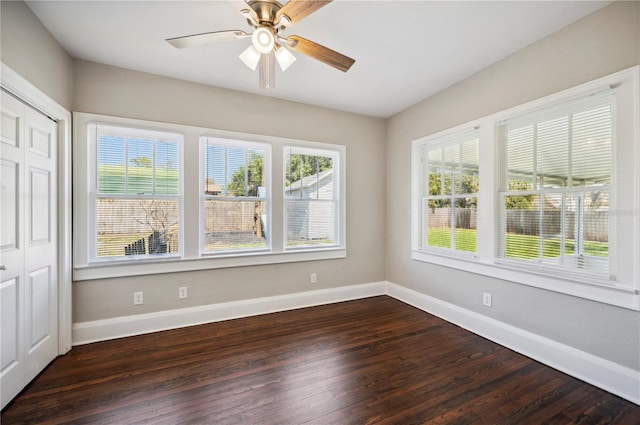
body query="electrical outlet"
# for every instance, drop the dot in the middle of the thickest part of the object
(486, 299)
(314, 278)
(138, 298)
(182, 292)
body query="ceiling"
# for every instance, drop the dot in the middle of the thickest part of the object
(405, 51)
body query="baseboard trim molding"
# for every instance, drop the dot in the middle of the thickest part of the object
(119, 327)
(612, 377)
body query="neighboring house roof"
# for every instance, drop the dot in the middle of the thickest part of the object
(309, 181)
(212, 188)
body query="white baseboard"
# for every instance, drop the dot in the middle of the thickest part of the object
(612, 377)
(102, 330)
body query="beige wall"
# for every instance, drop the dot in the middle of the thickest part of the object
(114, 91)
(600, 44)
(29, 49)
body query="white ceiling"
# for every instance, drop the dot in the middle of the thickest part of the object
(405, 51)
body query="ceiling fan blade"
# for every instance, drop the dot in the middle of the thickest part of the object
(297, 10)
(319, 52)
(203, 39)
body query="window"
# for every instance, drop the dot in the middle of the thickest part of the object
(312, 196)
(449, 187)
(135, 193)
(560, 194)
(190, 198)
(235, 196)
(555, 187)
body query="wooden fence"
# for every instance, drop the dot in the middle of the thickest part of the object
(137, 216)
(441, 217)
(526, 222)
(236, 216)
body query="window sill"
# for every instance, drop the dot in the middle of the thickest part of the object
(149, 267)
(607, 293)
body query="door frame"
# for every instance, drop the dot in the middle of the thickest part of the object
(27, 92)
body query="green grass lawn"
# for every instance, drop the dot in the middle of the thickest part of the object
(465, 239)
(524, 247)
(111, 179)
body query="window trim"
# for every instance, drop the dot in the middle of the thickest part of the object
(453, 138)
(623, 292)
(234, 143)
(190, 240)
(601, 98)
(337, 198)
(94, 192)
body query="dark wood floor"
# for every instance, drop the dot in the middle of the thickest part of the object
(371, 361)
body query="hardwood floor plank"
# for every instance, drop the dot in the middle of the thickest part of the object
(371, 361)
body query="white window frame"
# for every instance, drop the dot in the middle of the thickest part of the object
(606, 97)
(94, 194)
(231, 143)
(624, 289)
(337, 198)
(455, 138)
(191, 257)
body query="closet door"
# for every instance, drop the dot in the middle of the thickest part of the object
(28, 248)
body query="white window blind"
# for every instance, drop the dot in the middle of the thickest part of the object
(135, 193)
(235, 196)
(312, 196)
(449, 189)
(555, 187)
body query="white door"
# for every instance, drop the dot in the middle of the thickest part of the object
(28, 247)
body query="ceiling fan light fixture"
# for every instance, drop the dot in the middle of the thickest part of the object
(284, 57)
(250, 57)
(263, 40)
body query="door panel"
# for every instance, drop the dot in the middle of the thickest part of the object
(12, 248)
(10, 124)
(11, 350)
(41, 249)
(9, 181)
(40, 209)
(39, 142)
(9, 327)
(28, 249)
(38, 306)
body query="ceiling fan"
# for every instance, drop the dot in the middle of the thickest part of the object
(269, 18)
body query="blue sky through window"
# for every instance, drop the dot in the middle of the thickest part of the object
(111, 151)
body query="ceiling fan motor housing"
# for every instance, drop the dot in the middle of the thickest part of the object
(266, 11)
